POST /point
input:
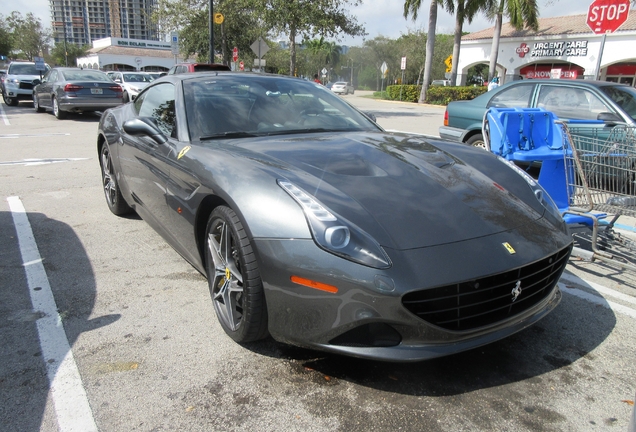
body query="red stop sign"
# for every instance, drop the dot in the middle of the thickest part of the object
(606, 16)
(235, 54)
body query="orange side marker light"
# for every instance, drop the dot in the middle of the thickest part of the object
(314, 284)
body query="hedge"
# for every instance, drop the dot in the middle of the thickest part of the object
(436, 95)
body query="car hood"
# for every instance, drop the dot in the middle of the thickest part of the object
(404, 191)
(23, 77)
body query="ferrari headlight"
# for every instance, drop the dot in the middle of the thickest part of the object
(542, 196)
(335, 234)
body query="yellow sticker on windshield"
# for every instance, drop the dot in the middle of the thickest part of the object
(183, 152)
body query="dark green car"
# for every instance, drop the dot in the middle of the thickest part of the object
(568, 99)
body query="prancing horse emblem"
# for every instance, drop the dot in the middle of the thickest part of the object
(516, 291)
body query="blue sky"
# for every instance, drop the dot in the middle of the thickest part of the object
(380, 17)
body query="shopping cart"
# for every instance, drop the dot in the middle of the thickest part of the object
(600, 172)
(587, 167)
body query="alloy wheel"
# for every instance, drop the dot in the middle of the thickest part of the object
(227, 286)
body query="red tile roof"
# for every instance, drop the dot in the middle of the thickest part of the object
(556, 26)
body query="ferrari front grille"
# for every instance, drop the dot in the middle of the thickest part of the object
(476, 303)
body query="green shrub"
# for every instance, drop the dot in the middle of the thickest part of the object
(436, 95)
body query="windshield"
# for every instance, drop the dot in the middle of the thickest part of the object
(24, 69)
(133, 77)
(624, 97)
(250, 105)
(85, 75)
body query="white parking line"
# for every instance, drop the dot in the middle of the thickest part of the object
(69, 397)
(601, 299)
(4, 116)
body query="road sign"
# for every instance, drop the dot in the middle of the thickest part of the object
(242, 66)
(259, 47)
(174, 43)
(218, 18)
(606, 16)
(384, 69)
(235, 54)
(39, 64)
(449, 63)
(403, 64)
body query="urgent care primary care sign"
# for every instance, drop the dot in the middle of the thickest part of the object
(574, 48)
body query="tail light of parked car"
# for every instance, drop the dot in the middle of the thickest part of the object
(116, 88)
(69, 88)
(446, 118)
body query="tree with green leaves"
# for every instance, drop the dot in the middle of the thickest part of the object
(464, 10)
(5, 37)
(326, 54)
(521, 13)
(28, 37)
(411, 8)
(190, 19)
(309, 18)
(67, 56)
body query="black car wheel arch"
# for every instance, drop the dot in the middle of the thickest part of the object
(233, 277)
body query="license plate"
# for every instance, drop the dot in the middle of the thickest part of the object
(97, 91)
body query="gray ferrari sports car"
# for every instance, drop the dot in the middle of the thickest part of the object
(315, 226)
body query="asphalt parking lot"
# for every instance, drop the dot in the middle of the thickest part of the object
(105, 327)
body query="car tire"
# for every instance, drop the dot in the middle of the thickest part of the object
(57, 112)
(36, 104)
(233, 278)
(116, 203)
(477, 140)
(126, 98)
(9, 100)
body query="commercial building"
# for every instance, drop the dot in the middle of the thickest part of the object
(563, 47)
(83, 21)
(128, 55)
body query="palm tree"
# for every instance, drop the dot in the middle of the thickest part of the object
(464, 10)
(522, 13)
(411, 8)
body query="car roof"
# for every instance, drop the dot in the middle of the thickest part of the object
(576, 82)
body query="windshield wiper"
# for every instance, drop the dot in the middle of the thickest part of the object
(234, 134)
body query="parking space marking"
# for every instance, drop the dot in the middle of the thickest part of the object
(33, 162)
(14, 136)
(67, 391)
(598, 299)
(4, 116)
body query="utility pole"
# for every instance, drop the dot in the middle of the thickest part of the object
(211, 27)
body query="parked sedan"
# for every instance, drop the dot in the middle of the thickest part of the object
(131, 82)
(315, 226)
(568, 99)
(342, 87)
(65, 90)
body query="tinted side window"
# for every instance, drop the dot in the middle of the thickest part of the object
(158, 103)
(571, 103)
(515, 96)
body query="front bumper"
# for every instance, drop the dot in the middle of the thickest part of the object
(20, 92)
(367, 318)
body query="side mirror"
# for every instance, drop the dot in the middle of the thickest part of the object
(145, 126)
(36, 82)
(370, 116)
(609, 117)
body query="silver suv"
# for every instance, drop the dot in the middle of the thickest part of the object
(18, 82)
